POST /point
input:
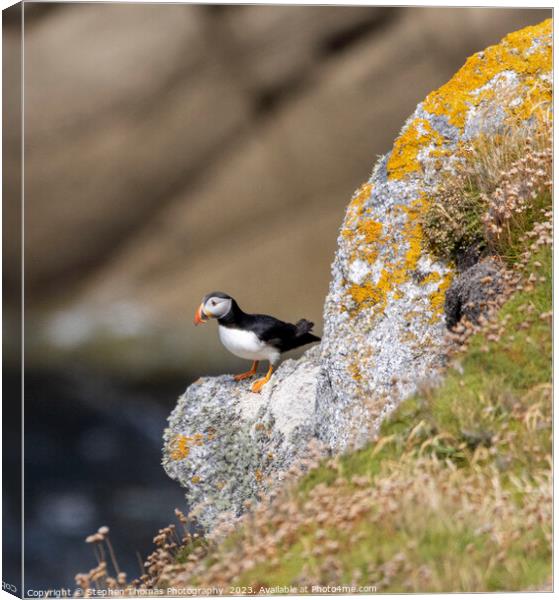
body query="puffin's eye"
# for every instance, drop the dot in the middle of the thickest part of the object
(214, 302)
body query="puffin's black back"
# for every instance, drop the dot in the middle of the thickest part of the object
(284, 336)
(279, 334)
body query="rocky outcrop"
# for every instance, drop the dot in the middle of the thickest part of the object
(383, 319)
(384, 322)
(224, 443)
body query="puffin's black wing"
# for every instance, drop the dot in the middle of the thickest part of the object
(281, 335)
(271, 330)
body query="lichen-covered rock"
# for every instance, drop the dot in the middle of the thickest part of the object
(383, 317)
(473, 292)
(223, 442)
(384, 323)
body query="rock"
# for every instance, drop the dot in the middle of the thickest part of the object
(384, 322)
(471, 293)
(383, 319)
(223, 442)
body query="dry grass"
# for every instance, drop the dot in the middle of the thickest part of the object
(495, 194)
(489, 157)
(421, 524)
(99, 577)
(522, 193)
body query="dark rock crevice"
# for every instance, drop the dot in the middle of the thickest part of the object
(472, 293)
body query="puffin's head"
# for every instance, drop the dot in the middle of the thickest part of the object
(214, 306)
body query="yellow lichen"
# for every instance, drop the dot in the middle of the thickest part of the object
(195, 479)
(440, 157)
(362, 195)
(355, 370)
(369, 231)
(438, 296)
(397, 271)
(455, 98)
(258, 475)
(431, 278)
(181, 448)
(364, 295)
(356, 207)
(367, 237)
(414, 236)
(182, 444)
(404, 158)
(465, 90)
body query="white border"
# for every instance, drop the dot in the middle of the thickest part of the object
(434, 3)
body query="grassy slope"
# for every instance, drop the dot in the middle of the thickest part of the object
(454, 496)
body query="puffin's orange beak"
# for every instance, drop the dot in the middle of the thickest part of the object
(199, 317)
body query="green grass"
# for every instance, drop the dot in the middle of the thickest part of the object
(453, 223)
(512, 246)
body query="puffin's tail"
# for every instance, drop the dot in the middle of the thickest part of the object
(303, 335)
(303, 326)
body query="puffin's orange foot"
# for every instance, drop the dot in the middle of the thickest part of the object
(248, 374)
(260, 383)
(242, 376)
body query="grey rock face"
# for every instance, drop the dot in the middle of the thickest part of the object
(223, 442)
(471, 293)
(383, 319)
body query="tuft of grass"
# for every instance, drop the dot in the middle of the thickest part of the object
(488, 157)
(453, 225)
(497, 192)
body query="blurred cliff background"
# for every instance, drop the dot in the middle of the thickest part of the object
(172, 150)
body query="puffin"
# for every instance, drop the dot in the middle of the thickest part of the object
(254, 337)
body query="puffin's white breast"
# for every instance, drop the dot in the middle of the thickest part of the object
(246, 344)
